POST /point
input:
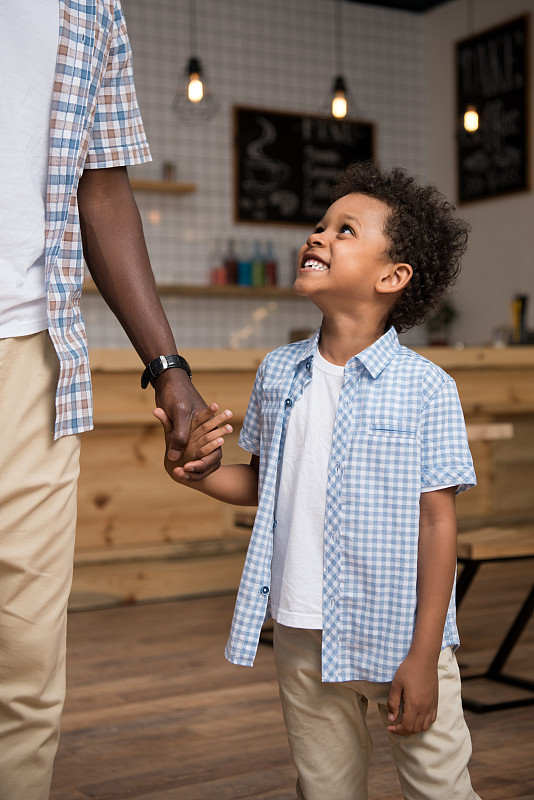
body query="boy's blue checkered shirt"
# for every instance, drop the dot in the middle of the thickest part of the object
(399, 428)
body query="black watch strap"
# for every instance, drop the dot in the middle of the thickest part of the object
(159, 365)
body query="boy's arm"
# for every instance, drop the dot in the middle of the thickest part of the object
(413, 697)
(235, 483)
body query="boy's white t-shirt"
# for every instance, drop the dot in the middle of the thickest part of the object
(297, 565)
(296, 595)
(28, 50)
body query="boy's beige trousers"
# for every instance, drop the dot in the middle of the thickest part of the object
(330, 742)
(37, 525)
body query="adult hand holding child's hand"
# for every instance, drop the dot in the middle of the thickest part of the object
(207, 431)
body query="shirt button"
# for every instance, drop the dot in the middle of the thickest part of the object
(288, 402)
(308, 365)
(275, 523)
(265, 590)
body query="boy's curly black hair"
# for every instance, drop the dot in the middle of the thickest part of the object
(423, 231)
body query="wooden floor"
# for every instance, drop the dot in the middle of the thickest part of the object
(154, 712)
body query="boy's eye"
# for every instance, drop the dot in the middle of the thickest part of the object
(318, 229)
(346, 227)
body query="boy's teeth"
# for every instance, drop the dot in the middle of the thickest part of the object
(311, 263)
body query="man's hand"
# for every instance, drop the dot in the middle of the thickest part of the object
(181, 402)
(207, 432)
(413, 697)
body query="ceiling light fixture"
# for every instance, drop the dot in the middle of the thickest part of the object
(471, 118)
(193, 100)
(470, 115)
(339, 86)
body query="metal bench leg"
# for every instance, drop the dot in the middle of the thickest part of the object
(494, 671)
(509, 642)
(469, 570)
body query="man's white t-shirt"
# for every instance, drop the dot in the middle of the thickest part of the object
(28, 50)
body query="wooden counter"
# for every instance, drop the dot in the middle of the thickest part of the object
(142, 537)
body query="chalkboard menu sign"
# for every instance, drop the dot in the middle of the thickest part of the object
(285, 164)
(491, 73)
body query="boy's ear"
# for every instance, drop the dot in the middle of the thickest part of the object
(395, 279)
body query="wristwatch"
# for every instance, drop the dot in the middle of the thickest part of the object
(160, 364)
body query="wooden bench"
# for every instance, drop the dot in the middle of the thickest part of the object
(497, 544)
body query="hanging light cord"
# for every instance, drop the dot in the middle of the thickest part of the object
(470, 16)
(338, 34)
(193, 37)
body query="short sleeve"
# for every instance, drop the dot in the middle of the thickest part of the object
(250, 436)
(118, 137)
(446, 458)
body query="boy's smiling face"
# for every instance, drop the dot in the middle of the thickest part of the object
(345, 257)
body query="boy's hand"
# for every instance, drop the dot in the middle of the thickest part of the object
(413, 697)
(206, 436)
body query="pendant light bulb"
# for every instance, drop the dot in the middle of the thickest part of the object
(339, 107)
(471, 119)
(194, 101)
(195, 89)
(339, 99)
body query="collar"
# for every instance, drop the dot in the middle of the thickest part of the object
(374, 358)
(310, 346)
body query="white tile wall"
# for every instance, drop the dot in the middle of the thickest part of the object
(279, 54)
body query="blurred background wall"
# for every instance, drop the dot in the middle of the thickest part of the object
(281, 55)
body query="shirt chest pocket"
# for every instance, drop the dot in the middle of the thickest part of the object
(390, 455)
(391, 428)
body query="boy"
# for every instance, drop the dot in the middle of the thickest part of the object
(358, 449)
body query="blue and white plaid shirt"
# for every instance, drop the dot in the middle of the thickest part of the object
(399, 428)
(95, 123)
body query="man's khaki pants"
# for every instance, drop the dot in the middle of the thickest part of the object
(37, 525)
(330, 742)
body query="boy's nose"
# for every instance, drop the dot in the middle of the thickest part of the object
(315, 238)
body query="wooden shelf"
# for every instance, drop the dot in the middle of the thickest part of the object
(250, 292)
(275, 292)
(171, 187)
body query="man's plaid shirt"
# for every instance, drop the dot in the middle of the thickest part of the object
(95, 123)
(399, 428)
